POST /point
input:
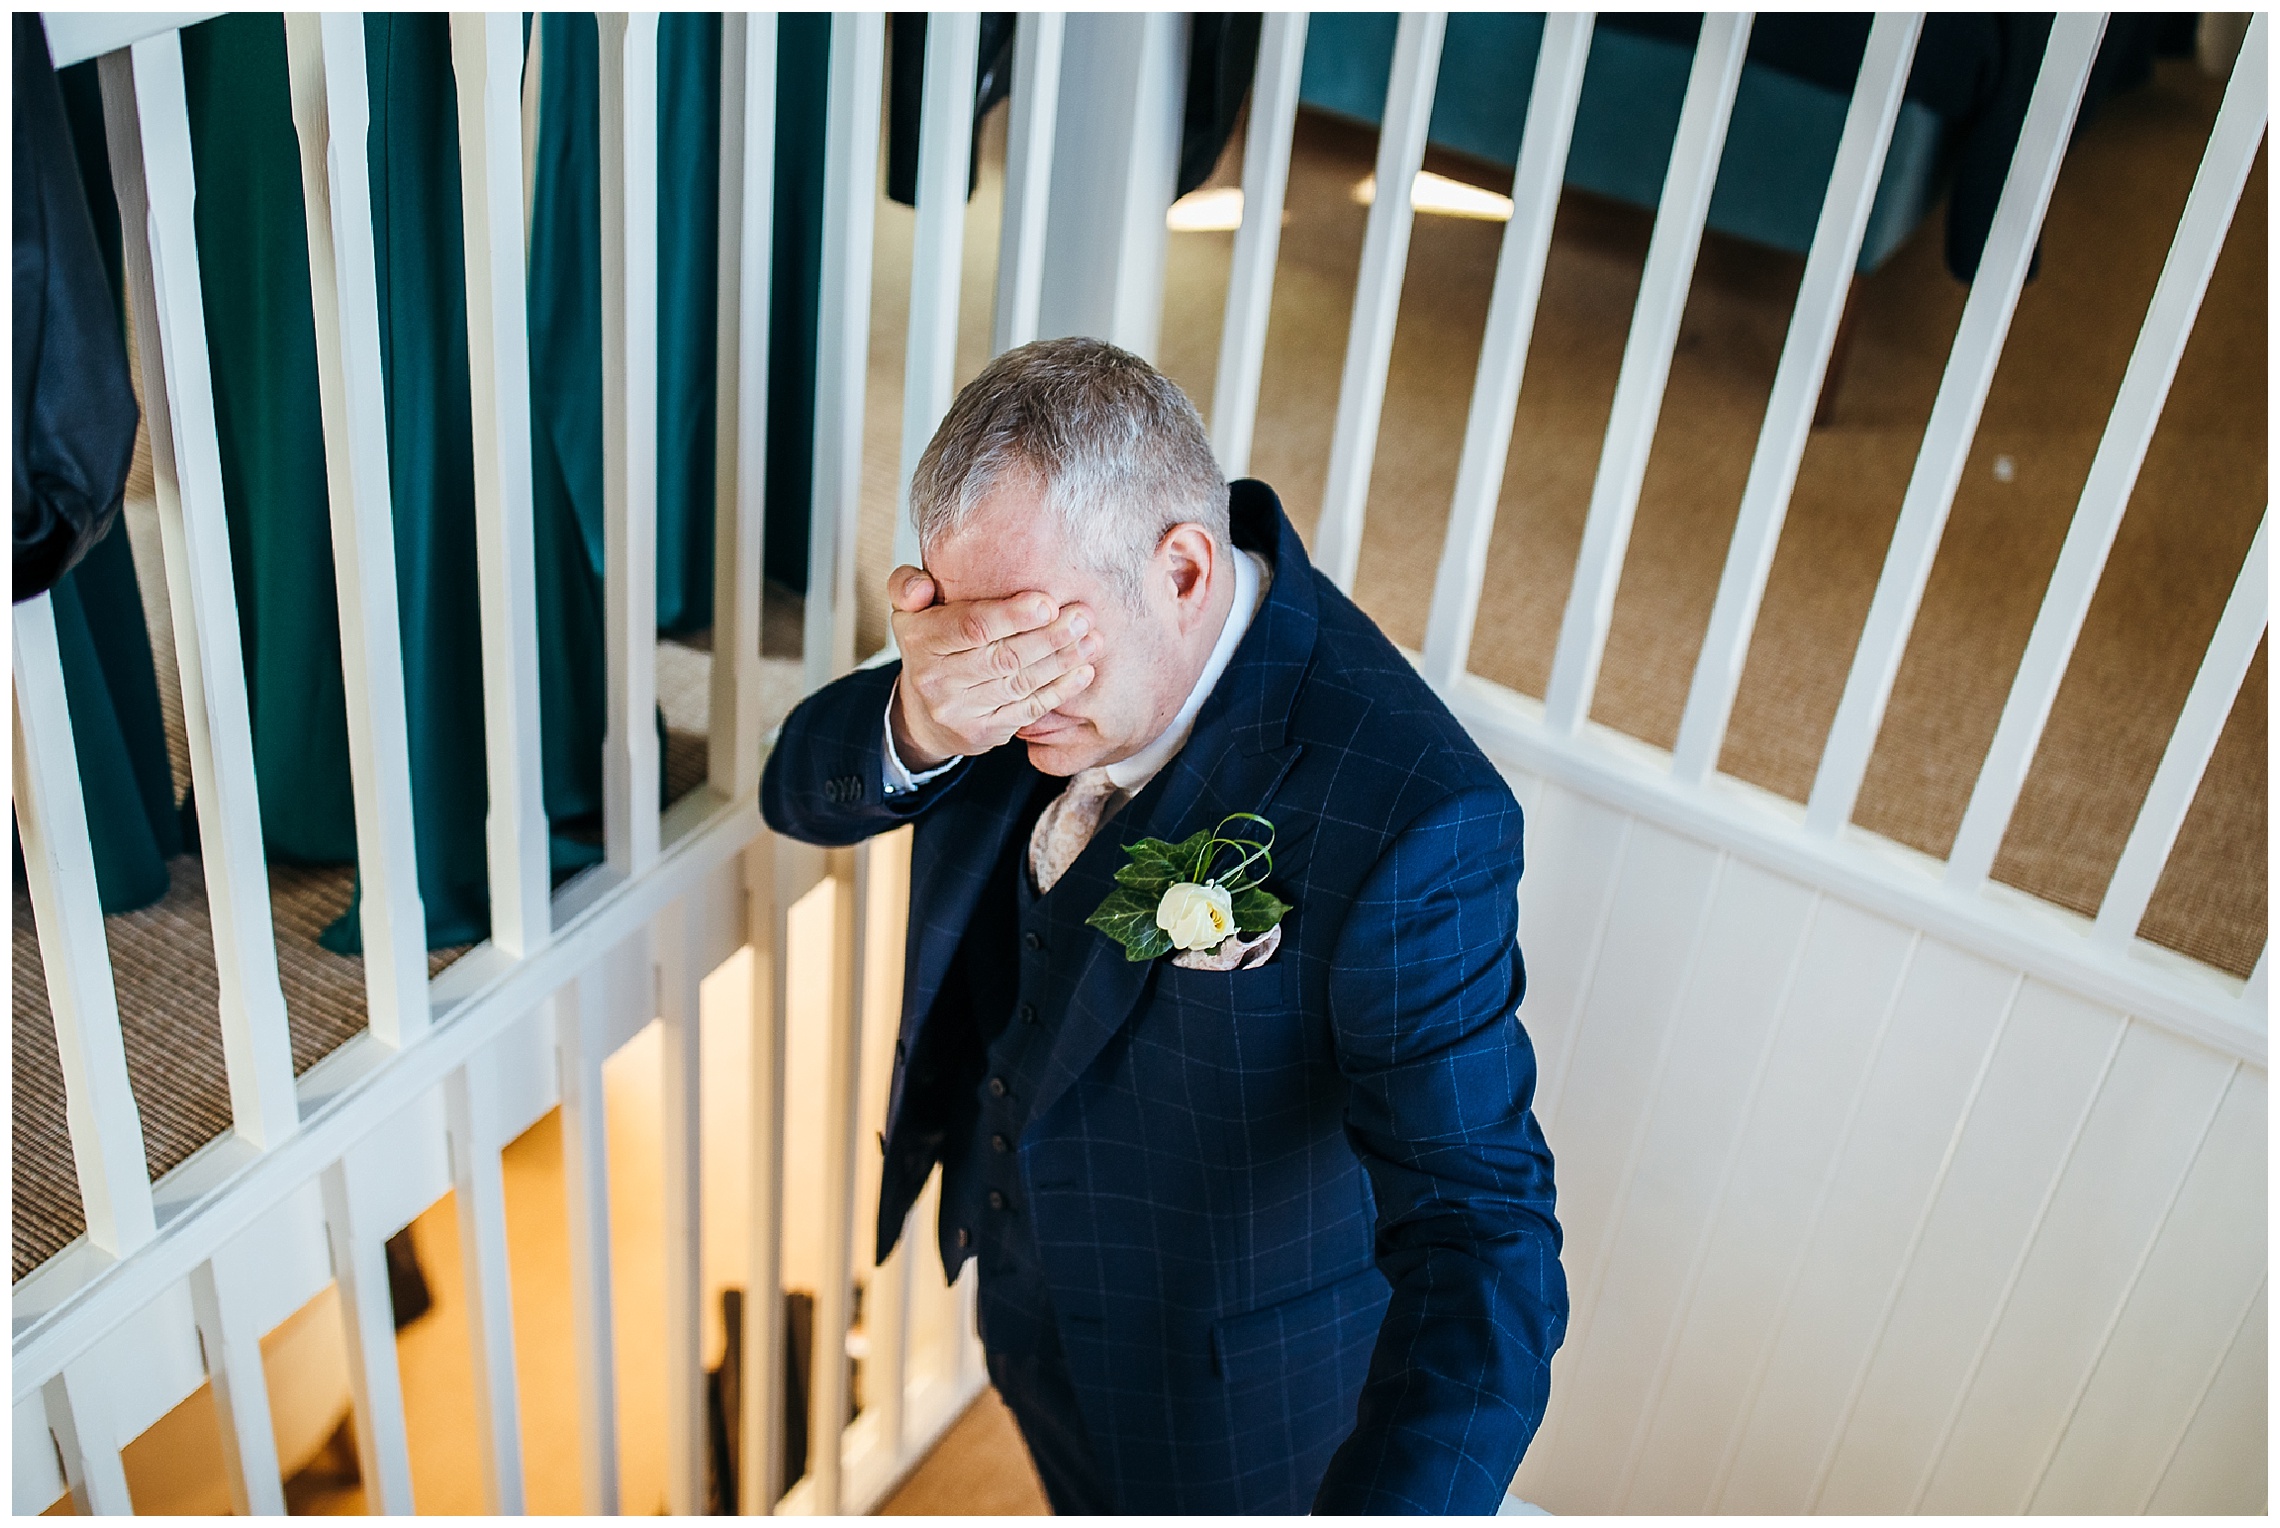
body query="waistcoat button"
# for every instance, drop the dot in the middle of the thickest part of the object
(1000, 1143)
(1028, 1013)
(1033, 940)
(997, 1200)
(997, 1087)
(965, 1237)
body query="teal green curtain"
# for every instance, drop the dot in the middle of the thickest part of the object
(261, 335)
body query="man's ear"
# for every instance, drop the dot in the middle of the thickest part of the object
(1190, 559)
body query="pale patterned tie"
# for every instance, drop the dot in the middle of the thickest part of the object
(1068, 824)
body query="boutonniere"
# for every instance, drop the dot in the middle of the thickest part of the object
(1203, 896)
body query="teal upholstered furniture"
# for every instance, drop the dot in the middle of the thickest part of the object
(1779, 148)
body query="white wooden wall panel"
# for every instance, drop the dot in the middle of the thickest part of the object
(2219, 1464)
(2053, 1056)
(1719, 1049)
(1951, 1007)
(1561, 925)
(1793, 1126)
(2174, 1329)
(1855, 1215)
(2120, 1179)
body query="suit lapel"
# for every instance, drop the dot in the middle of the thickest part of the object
(1234, 761)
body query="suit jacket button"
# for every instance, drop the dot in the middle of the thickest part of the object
(853, 785)
(997, 1200)
(997, 1087)
(999, 1143)
(965, 1237)
(1033, 940)
(1028, 1013)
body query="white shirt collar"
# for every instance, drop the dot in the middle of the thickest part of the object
(1251, 577)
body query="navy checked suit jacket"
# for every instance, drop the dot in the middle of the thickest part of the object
(1297, 1222)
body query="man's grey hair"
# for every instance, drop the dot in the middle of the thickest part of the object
(1118, 449)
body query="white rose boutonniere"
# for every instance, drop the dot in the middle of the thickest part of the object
(1201, 897)
(1197, 917)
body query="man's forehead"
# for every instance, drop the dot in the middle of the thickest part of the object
(1006, 548)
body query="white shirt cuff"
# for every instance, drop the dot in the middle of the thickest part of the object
(896, 777)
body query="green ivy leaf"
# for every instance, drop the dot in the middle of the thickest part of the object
(1129, 917)
(1258, 910)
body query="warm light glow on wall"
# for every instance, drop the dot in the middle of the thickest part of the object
(1213, 209)
(1446, 197)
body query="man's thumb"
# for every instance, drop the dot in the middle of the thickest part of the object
(910, 589)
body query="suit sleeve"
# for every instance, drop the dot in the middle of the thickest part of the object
(825, 780)
(1424, 987)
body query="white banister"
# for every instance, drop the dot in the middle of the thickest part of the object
(945, 146)
(331, 115)
(771, 869)
(147, 123)
(2232, 647)
(486, 56)
(479, 1200)
(1978, 346)
(630, 760)
(678, 974)
(747, 250)
(59, 865)
(1031, 112)
(376, 1385)
(231, 1337)
(1377, 294)
(579, 1028)
(829, 1376)
(1251, 267)
(2233, 145)
(1819, 311)
(1511, 325)
(843, 337)
(1645, 374)
(2255, 995)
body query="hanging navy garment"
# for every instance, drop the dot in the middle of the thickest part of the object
(118, 733)
(75, 407)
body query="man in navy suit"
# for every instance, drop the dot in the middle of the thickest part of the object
(1264, 1223)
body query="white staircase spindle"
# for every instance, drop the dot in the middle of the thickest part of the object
(1645, 374)
(1032, 110)
(79, 1416)
(486, 51)
(331, 113)
(1978, 346)
(678, 975)
(1251, 267)
(1377, 294)
(1512, 306)
(59, 865)
(147, 124)
(835, 1284)
(945, 145)
(770, 870)
(1797, 380)
(843, 337)
(747, 249)
(630, 759)
(579, 1030)
(240, 1385)
(2233, 144)
(2232, 648)
(376, 1385)
(479, 1198)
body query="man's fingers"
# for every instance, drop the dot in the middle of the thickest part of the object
(1042, 702)
(910, 589)
(1024, 649)
(970, 624)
